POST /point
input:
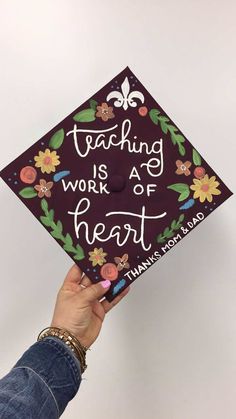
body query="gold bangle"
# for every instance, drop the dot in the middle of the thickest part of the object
(70, 340)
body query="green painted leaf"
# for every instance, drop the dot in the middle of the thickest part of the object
(179, 187)
(59, 226)
(197, 160)
(181, 218)
(173, 138)
(69, 241)
(160, 239)
(163, 118)
(57, 139)
(56, 234)
(166, 231)
(93, 104)
(51, 214)
(164, 127)
(28, 192)
(79, 256)
(170, 231)
(45, 221)
(153, 113)
(173, 128)
(44, 205)
(173, 224)
(57, 229)
(80, 253)
(179, 138)
(86, 115)
(170, 234)
(181, 149)
(68, 248)
(184, 195)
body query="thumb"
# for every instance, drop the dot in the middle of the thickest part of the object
(96, 291)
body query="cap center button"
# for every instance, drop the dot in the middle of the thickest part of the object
(116, 183)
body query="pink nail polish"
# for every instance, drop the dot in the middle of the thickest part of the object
(105, 283)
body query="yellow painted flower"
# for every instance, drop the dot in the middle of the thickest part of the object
(204, 188)
(47, 161)
(97, 256)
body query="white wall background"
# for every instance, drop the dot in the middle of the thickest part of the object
(169, 350)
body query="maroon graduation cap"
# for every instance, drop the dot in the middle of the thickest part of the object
(116, 183)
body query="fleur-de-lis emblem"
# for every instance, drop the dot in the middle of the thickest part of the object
(122, 262)
(126, 98)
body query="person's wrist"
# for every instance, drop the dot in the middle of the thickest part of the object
(82, 339)
(69, 339)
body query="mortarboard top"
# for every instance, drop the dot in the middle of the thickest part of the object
(116, 183)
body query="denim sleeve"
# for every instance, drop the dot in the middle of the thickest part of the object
(41, 383)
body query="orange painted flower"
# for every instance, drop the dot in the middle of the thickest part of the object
(47, 161)
(97, 256)
(44, 188)
(109, 271)
(28, 174)
(204, 188)
(105, 112)
(183, 168)
(122, 262)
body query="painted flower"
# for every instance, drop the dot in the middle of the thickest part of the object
(199, 172)
(44, 188)
(183, 168)
(97, 256)
(204, 188)
(143, 110)
(28, 174)
(105, 112)
(47, 161)
(109, 271)
(122, 262)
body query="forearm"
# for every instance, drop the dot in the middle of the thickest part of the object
(42, 382)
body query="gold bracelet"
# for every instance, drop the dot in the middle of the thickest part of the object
(70, 340)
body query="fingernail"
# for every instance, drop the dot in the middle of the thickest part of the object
(105, 283)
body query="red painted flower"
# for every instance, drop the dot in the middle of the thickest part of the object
(28, 174)
(199, 172)
(143, 110)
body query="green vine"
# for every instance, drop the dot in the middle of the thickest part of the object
(166, 126)
(57, 231)
(170, 231)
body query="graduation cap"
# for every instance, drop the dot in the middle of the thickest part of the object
(116, 183)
